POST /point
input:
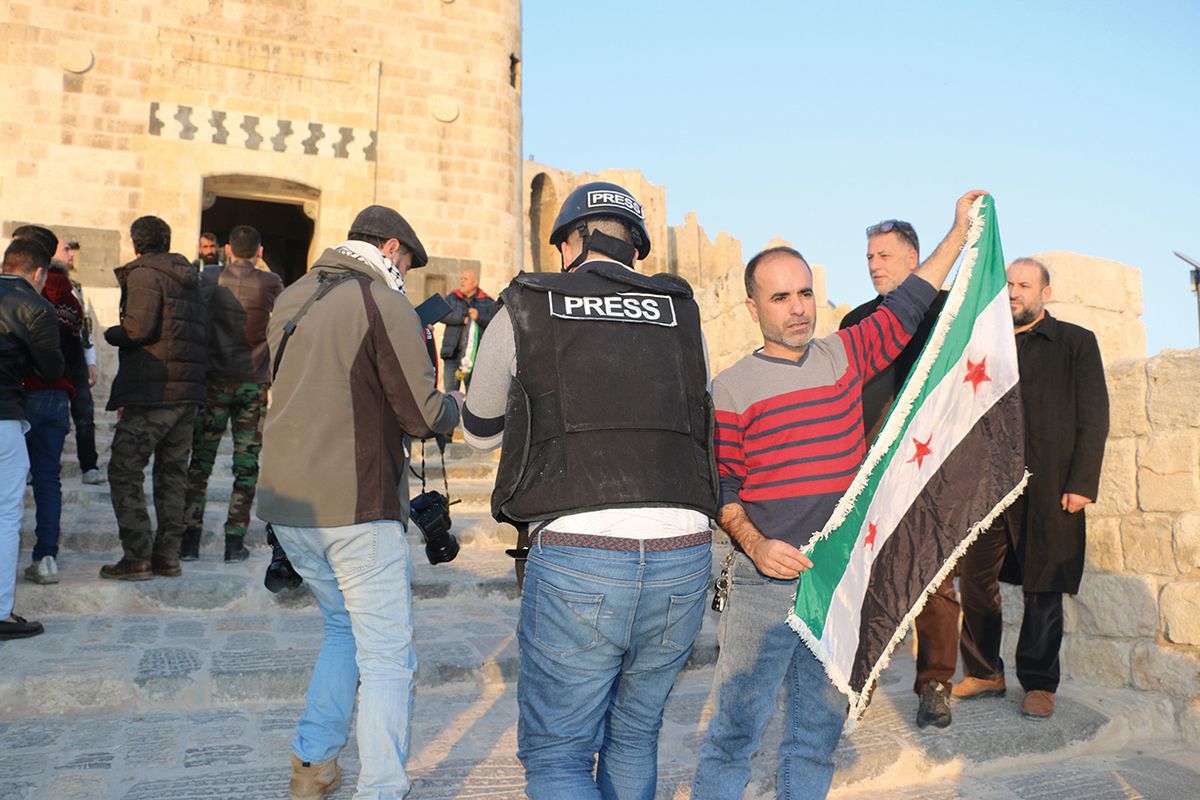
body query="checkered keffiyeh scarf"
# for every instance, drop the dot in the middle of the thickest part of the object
(370, 255)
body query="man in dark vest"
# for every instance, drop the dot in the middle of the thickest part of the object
(594, 384)
(1039, 541)
(893, 253)
(238, 298)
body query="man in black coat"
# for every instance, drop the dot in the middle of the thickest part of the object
(1039, 541)
(893, 253)
(29, 344)
(468, 303)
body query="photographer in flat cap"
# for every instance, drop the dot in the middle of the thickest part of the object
(352, 383)
(594, 383)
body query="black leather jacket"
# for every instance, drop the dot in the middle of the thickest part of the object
(238, 299)
(28, 342)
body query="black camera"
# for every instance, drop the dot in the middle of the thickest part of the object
(280, 572)
(430, 511)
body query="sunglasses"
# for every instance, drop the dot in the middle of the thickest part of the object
(899, 226)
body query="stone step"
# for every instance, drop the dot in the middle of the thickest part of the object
(92, 528)
(457, 469)
(474, 494)
(89, 663)
(209, 584)
(1101, 745)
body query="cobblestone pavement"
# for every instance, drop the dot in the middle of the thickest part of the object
(189, 689)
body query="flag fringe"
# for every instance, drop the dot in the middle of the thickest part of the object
(898, 418)
(897, 422)
(860, 700)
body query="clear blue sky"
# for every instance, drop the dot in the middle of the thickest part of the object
(812, 121)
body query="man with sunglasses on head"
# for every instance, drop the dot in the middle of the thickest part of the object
(893, 253)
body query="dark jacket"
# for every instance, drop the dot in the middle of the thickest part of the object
(161, 336)
(238, 299)
(881, 391)
(28, 343)
(58, 293)
(455, 336)
(354, 383)
(1065, 401)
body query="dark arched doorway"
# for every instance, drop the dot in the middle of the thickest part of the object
(543, 208)
(283, 212)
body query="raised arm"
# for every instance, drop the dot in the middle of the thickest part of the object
(935, 268)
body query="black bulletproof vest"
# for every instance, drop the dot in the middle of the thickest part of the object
(608, 408)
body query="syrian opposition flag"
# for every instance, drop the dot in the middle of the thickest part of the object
(949, 459)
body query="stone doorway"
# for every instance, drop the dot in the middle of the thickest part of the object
(283, 212)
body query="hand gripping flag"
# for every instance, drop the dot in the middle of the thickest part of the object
(948, 461)
(470, 347)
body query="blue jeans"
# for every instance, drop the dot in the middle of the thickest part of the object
(360, 575)
(14, 463)
(603, 633)
(758, 653)
(48, 412)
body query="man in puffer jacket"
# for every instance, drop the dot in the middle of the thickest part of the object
(158, 388)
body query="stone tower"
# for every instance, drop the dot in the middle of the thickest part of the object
(289, 115)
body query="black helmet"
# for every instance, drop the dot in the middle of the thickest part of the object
(600, 199)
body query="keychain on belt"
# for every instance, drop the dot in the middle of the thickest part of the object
(721, 594)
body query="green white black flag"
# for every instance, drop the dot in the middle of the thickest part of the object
(949, 459)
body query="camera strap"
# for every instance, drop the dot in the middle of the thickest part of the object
(326, 281)
(441, 443)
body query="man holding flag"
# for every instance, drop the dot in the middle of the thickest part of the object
(789, 442)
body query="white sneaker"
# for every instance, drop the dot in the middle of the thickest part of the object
(93, 476)
(43, 571)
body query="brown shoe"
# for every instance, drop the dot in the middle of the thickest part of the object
(167, 567)
(127, 569)
(314, 781)
(972, 688)
(1038, 704)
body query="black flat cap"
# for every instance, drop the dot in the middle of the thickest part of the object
(386, 223)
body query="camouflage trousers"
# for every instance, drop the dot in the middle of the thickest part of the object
(239, 406)
(166, 434)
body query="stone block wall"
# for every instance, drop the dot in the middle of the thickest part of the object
(124, 109)
(1136, 620)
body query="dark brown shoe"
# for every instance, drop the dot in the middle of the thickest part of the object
(19, 628)
(1038, 704)
(166, 567)
(970, 688)
(127, 570)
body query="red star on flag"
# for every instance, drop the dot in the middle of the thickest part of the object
(976, 373)
(922, 451)
(869, 541)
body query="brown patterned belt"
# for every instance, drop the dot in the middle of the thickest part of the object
(622, 543)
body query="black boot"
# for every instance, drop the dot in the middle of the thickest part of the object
(235, 549)
(189, 546)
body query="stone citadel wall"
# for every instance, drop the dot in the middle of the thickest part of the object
(138, 107)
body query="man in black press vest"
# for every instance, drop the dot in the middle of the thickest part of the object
(594, 383)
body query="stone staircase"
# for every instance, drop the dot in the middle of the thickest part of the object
(189, 688)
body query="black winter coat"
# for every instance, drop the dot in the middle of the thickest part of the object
(238, 299)
(29, 343)
(162, 336)
(1065, 401)
(454, 337)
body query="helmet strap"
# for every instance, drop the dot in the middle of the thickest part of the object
(600, 242)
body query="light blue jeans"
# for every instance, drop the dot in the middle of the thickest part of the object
(360, 575)
(14, 464)
(603, 634)
(759, 652)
